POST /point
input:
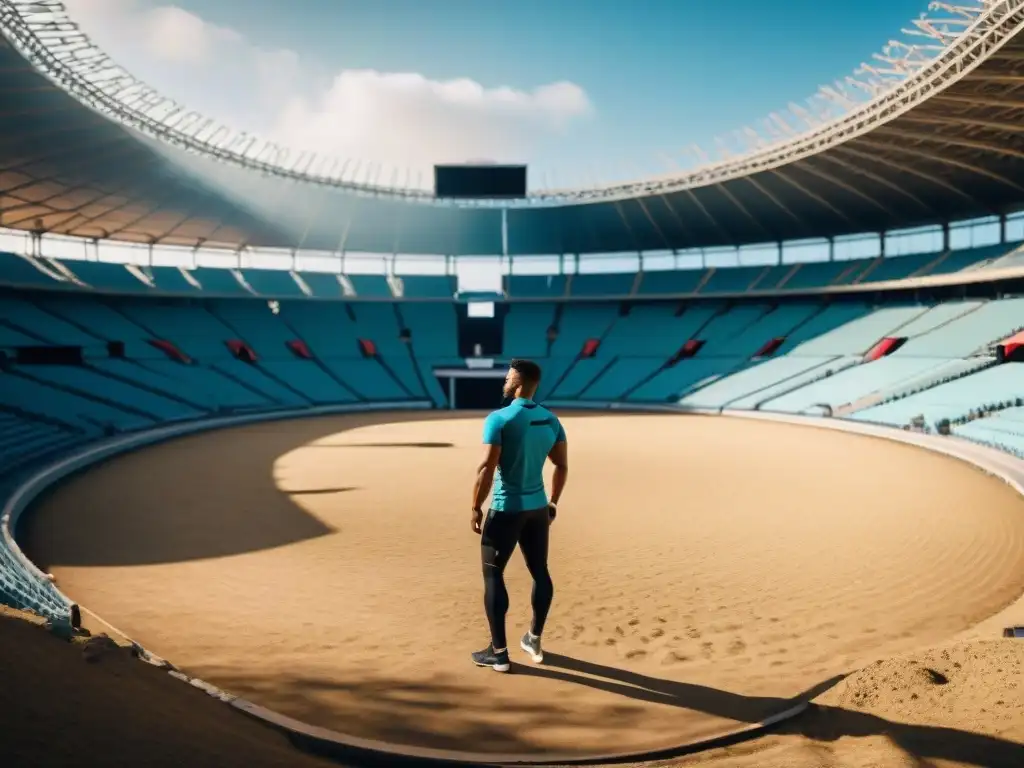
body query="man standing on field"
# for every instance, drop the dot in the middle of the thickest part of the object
(519, 439)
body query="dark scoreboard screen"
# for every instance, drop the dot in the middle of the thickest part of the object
(480, 181)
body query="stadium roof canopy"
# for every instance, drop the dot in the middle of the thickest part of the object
(937, 138)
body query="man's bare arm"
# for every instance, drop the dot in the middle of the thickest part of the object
(485, 475)
(559, 456)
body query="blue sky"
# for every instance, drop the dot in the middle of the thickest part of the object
(650, 77)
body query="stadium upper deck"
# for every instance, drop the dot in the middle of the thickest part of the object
(943, 144)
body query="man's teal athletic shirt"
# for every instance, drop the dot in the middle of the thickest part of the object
(526, 433)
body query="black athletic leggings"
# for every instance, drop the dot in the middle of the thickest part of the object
(502, 531)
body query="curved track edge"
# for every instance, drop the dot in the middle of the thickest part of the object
(365, 752)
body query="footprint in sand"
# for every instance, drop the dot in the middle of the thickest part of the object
(673, 657)
(707, 650)
(693, 633)
(636, 653)
(656, 632)
(737, 646)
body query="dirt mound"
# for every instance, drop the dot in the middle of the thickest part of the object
(960, 706)
(977, 685)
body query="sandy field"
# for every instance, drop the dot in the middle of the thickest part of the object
(706, 571)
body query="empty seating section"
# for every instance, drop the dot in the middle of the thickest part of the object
(723, 328)
(44, 328)
(673, 383)
(780, 322)
(936, 317)
(648, 330)
(134, 372)
(323, 285)
(219, 282)
(899, 267)
(371, 286)
(945, 369)
(621, 377)
(858, 335)
(84, 413)
(754, 378)
(272, 283)
(526, 329)
(970, 258)
(1014, 259)
(93, 384)
(579, 377)
(255, 323)
(970, 332)
(306, 378)
(428, 286)
(580, 322)
(11, 338)
(265, 380)
(536, 286)
(173, 280)
(605, 284)
(367, 378)
(192, 328)
(17, 270)
(24, 440)
(670, 283)
(434, 328)
(773, 386)
(327, 328)
(731, 279)
(378, 322)
(770, 278)
(954, 399)
(111, 277)
(98, 318)
(553, 369)
(989, 432)
(818, 274)
(853, 383)
(213, 389)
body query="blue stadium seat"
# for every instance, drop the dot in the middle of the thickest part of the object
(19, 271)
(434, 328)
(953, 399)
(536, 286)
(108, 277)
(371, 286)
(171, 280)
(428, 286)
(526, 329)
(324, 285)
(602, 284)
(219, 282)
(45, 328)
(273, 283)
(670, 283)
(731, 280)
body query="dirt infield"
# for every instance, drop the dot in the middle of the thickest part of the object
(706, 570)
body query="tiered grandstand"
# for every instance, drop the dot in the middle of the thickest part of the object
(123, 312)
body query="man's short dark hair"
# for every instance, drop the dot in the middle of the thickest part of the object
(528, 370)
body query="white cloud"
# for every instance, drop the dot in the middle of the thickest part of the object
(401, 120)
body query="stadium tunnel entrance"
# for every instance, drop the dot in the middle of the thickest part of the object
(472, 389)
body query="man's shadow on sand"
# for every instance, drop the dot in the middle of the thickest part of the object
(818, 722)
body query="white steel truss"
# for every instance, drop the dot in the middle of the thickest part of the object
(943, 45)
